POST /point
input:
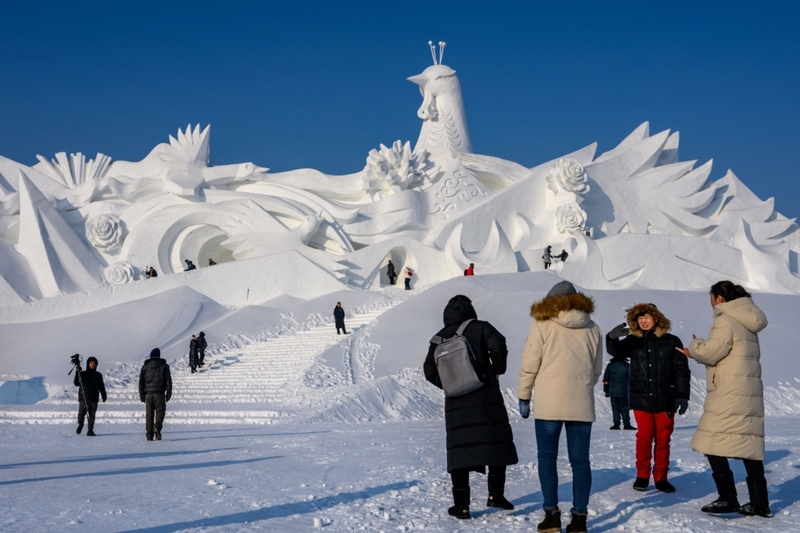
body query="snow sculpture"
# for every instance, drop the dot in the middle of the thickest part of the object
(70, 224)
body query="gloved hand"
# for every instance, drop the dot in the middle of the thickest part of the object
(620, 331)
(681, 405)
(141, 398)
(525, 408)
(168, 396)
(104, 400)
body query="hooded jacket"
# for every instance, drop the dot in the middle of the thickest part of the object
(562, 359)
(658, 373)
(155, 378)
(478, 432)
(615, 378)
(732, 424)
(92, 381)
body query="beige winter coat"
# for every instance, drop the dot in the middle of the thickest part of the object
(562, 359)
(732, 424)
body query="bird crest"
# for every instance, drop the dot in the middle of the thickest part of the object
(442, 44)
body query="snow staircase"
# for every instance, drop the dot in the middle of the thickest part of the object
(252, 384)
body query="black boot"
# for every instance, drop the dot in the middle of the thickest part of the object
(728, 502)
(551, 522)
(461, 508)
(759, 499)
(497, 486)
(578, 523)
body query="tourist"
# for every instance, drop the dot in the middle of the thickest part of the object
(338, 317)
(201, 346)
(470, 271)
(151, 272)
(90, 388)
(478, 432)
(659, 385)
(409, 274)
(615, 387)
(189, 265)
(194, 354)
(390, 273)
(547, 258)
(155, 390)
(562, 360)
(211, 262)
(563, 255)
(732, 424)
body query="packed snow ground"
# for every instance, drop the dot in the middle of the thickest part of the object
(291, 426)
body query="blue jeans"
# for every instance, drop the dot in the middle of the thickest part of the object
(579, 435)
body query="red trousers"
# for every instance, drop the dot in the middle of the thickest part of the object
(653, 427)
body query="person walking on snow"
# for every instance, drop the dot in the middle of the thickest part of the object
(563, 255)
(409, 274)
(90, 382)
(338, 316)
(390, 273)
(562, 360)
(732, 424)
(658, 386)
(194, 353)
(155, 390)
(615, 387)
(478, 431)
(547, 258)
(201, 346)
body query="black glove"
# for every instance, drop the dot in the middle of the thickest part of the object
(168, 397)
(104, 400)
(141, 398)
(619, 331)
(681, 405)
(525, 408)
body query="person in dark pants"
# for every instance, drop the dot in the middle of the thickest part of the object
(615, 386)
(409, 274)
(338, 316)
(155, 390)
(478, 432)
(90, 382)
(658, 387)
(202, 345)
(194, 353)
(390, 273)
(562, 256)
(547, 258)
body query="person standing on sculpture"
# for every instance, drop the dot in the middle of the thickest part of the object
(547, 258)
(189, 265)
(89, 381)
(211, 262)
(338, 317)
(155, 390)
(194, 354)
(562, 256)
(658, 387)
(478, 431)
(390, 273)
(409, 274)
(562, 360)
(470, 271)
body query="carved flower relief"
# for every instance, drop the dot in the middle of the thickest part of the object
(104, 232)
(119, 273)
(568, 175)
(570, 218)
(394, 169)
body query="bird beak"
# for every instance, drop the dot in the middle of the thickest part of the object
(419, 79)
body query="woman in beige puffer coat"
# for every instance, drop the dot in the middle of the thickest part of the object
(732, 424)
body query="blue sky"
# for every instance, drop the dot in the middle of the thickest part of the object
(318, 84)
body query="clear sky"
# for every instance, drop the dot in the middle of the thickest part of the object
(318, 84)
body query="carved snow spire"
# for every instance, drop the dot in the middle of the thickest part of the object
(444, 127)
(73, 170)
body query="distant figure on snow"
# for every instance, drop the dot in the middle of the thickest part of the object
(470, 271)
(409, 273)
(90, 382)
(615, 386)
(211, 262)
(189, 265)
(338, 316)
(151, 272)
(202, 345)
(563, 255)
(390, 273)
(155, 390)
(547, 258)
(194, 353)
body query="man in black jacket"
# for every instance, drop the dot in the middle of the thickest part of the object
(155, 390)
(202, 344)
(89, 381)
(658, 386)
(338, 317)
(478, 432)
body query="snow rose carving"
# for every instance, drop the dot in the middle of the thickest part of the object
(568, 175)
(570, 218)
(104, 232)
(394, 169)
(119, 273)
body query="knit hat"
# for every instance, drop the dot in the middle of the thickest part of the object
(562, 288)
(155, 354)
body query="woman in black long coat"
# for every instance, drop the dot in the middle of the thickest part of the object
(194, 354)
(478, 432)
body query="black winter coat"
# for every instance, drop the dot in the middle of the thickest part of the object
(478, 432)
(155, 378)
(92, 384)
(194, 352)
(338, 315)
(390, 271)
(201, 343)
(658, 373)
(615, 378)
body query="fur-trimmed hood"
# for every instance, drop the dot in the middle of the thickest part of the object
(663, 325)
(549, 308)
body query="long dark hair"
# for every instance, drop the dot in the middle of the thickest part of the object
(729, 291)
